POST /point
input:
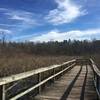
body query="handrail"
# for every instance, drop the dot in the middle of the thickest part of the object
(96, 77)
(12, 78)
(39, 84)
(15, 78)
(61, 68)
(97, 71)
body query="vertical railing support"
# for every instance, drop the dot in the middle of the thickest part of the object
(53, 74)
(99, 85)
(97, 81)
(62, 69)
(94, 76)
(2, 92)
(39, 82)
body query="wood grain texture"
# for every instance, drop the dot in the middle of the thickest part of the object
(56, 90)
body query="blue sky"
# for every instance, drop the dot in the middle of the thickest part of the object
(46, 20)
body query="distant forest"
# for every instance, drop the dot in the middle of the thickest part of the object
(67, 47)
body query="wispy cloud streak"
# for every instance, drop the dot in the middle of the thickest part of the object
(22, 17)
(5, 31)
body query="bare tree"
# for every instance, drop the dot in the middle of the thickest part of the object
(3, 37)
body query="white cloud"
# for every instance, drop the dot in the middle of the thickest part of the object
(55, 35)
(22, 20)
(66, 12)
(5, 31)
(52, 35)
(22, 17)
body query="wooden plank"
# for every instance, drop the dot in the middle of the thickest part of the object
(55, 91)
(59, 87)
(90, 91)
(97, 71)
(77, 88)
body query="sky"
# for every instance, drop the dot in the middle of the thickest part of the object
(49, 20)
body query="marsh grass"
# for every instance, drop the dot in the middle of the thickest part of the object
(24, 62)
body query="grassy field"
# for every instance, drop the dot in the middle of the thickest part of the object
(22, 62)
(25, 62)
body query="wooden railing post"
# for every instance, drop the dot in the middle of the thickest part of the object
(2, 92)
(53, 74)
(98, 83)
(62, 69)
(39, 82)
(94, 76)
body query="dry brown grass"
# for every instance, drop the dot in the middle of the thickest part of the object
(25, 62)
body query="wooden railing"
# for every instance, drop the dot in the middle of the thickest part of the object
(96, 77)
(9, 89)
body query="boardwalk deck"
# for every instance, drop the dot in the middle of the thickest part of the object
(78, 79)
(89, 88)
(77, 84)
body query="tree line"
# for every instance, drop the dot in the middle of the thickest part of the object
(66, 47)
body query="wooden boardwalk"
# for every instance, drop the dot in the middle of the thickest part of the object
(76, 84)
(78, 79)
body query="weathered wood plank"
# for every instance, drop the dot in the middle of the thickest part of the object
(56, 91)
(59, 87)
(77, 88)
(90, 91)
